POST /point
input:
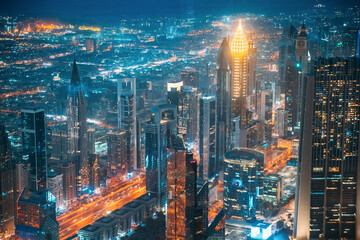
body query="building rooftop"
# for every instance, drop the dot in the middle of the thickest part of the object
(90, 228)
(244, 154)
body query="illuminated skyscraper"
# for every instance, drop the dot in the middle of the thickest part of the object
(223, 104)
(181, 192)
(207, 137)
(158, 133)
(187, 102)
(77, 130)
(327, 200)
(34, 146)
(126, 89)
(239, 52)
(243, 183)
(7, 190)
(118, 160)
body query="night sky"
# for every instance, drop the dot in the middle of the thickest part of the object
(93, 8)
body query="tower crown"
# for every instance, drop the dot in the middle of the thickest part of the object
(75, 78)
(239, 43)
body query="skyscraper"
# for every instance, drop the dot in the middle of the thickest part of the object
(181, 192)
(77, 130)
(327, 200)
(239, 87)
(34, 146)
(223, 104)
(207, 136)
(118, 160)
(187, 102)
(243, 183)
(126, 89)
(7, 190)
(158, 132)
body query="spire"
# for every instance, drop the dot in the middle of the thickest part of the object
(239, 43)
(303, 31)
(224, 58)
(75, 79)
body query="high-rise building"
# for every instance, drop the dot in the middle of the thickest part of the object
(68, 171)
(291, 95)
(36, 215)
(118, 160)
(187, 102)
(158, 132)
(327, 198)
(59, 144)
(141, 119)
(239, 84)
(251, 87)
(223, 104)
(207, 136)
(303, 67)
(190, 77)
(7, 208)
(34, 146)
(55, 186)
(273, 188)
(281, 121)
(181, 191)
(157, 136)
(77, 130)
(243, 183)
(126, 89)
(91, 139)
(287, 54)
(94, 172)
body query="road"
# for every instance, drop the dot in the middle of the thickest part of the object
(75, 219)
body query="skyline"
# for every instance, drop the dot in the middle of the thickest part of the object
(189, 126)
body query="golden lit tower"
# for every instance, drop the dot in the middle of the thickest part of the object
(239, 52)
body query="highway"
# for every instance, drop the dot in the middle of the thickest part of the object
(123, 193)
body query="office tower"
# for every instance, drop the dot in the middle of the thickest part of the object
(22, 174)
(77, 130)
(239, 84)
(90, 45)
(190, 77)
(118, 159)
(291, 96)
(141, 120)
(36, 215)
(94, 172)
(59, 143)
(90, 232)
(273, 188)
(202, 209)
(223, 104)
(127, 116)
(187, 102)
(251, 87)
(34, 146)
(207, 137)
(281, 121)
(287, 55)
(302, 64)
(357, 47)
(7, 208)
(158, 132)
(55, 186)
(68, 170)
(181, 191)
(91, 139)
(327, 204)
(243, 183)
